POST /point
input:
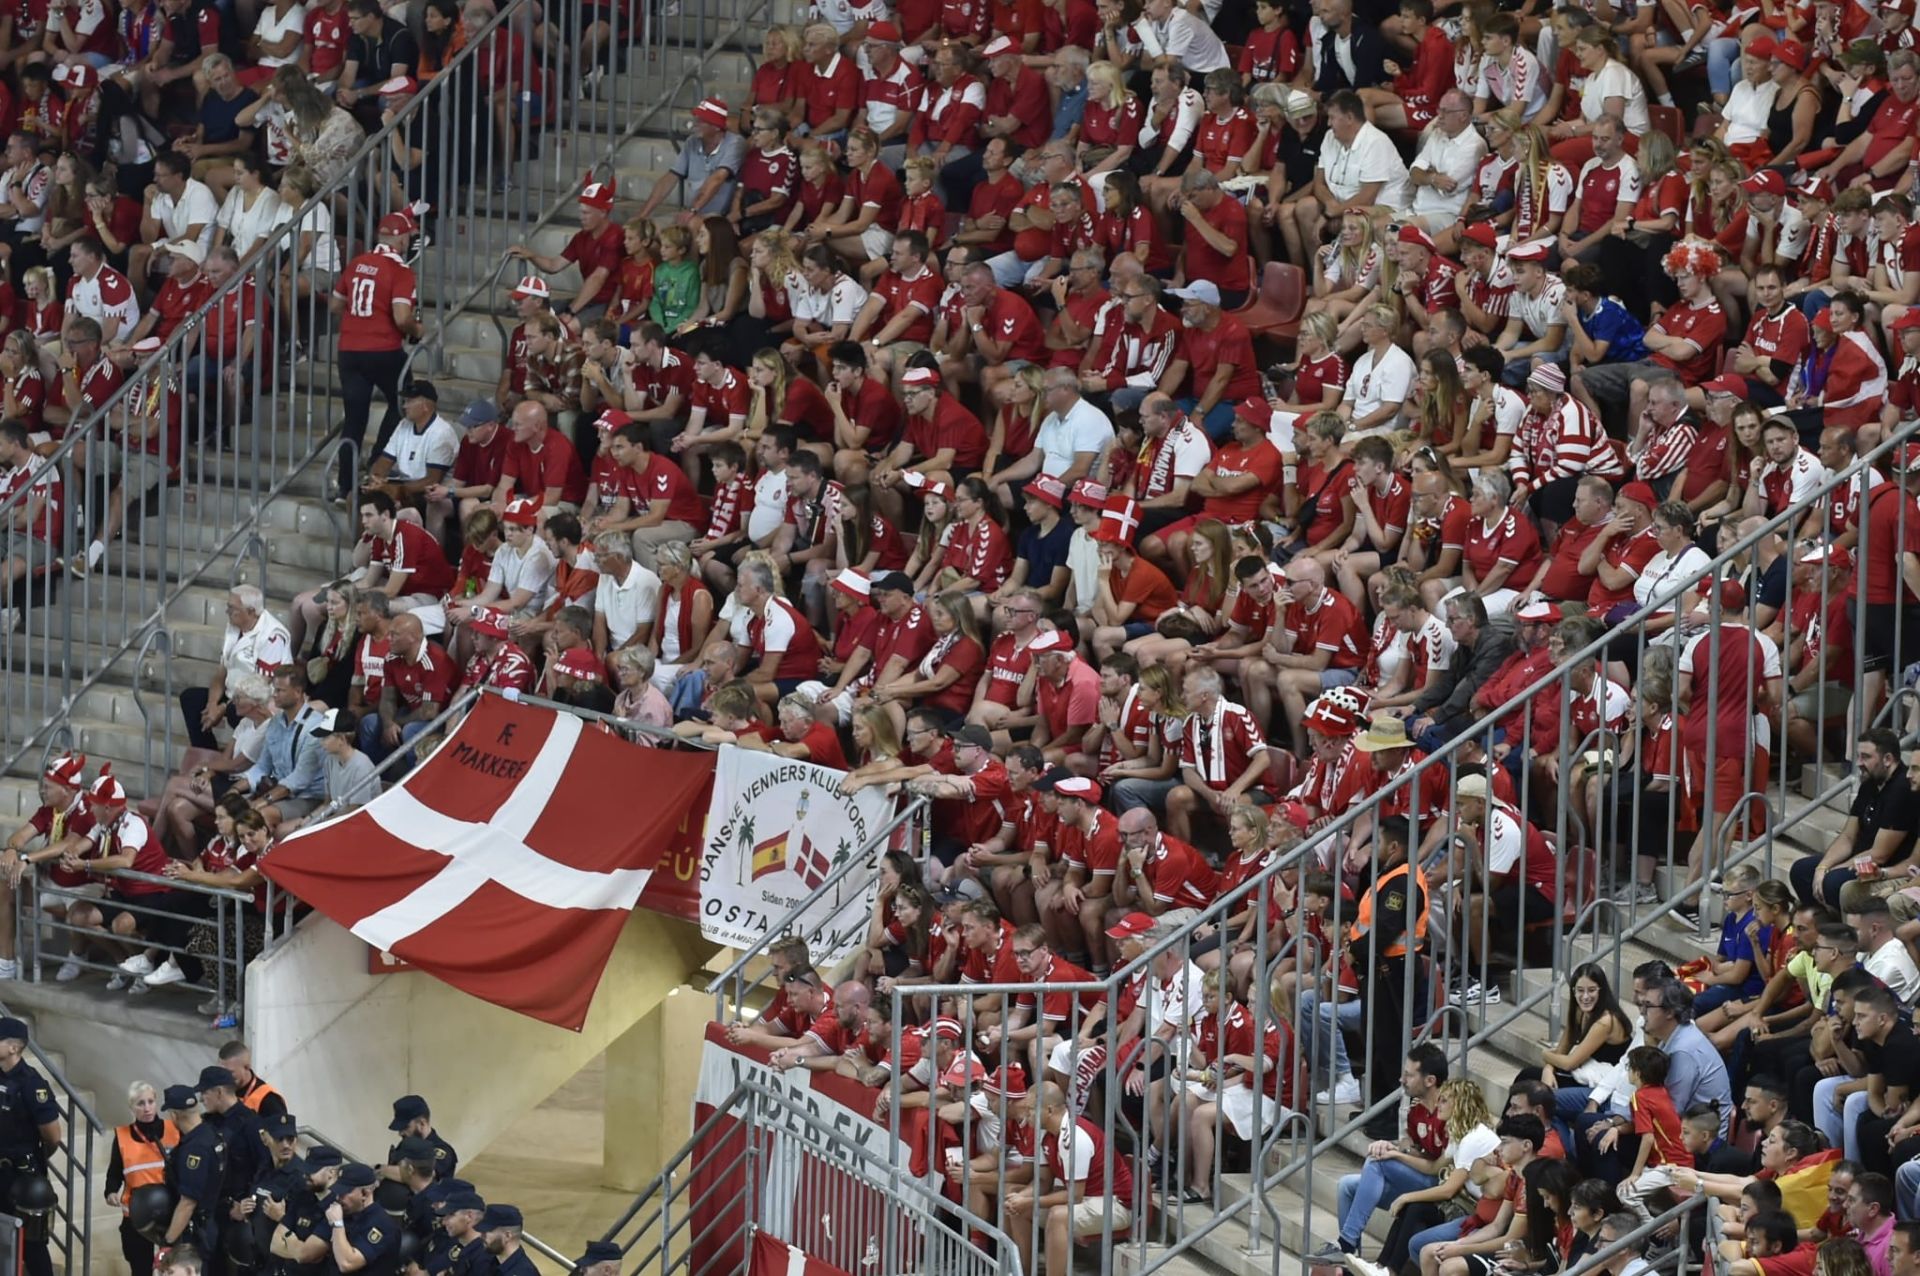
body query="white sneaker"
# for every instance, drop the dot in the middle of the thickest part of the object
(169, 972)
(138, 964)
(137, 989)
(9, 968)
(68, 972)
(1346, 1090)
(117, 982)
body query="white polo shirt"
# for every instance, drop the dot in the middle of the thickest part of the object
(627, 604)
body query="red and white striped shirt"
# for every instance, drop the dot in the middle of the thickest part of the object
(1565, 443)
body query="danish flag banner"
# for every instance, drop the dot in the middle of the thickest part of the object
(507, 864)
(776, 831)
(777, 1258)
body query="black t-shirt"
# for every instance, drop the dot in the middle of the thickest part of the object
(1896, 1060)
(376, 58)
(1880, 807)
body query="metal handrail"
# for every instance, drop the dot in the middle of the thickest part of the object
(159, 635)
(733, 29)
(528, 1239)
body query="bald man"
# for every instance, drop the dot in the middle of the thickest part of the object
(838, 1026)
(420, 676)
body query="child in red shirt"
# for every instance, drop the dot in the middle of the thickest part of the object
(1666, 1143)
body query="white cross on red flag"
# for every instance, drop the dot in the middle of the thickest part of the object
(509, 862)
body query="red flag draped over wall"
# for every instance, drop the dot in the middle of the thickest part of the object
(508, 863)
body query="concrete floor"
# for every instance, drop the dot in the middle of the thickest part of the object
(548, 1163)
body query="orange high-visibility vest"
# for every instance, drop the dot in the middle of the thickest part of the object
(258, 1094)
(142, 1164)
(1363, 915)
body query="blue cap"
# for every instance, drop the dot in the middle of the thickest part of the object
(598, 1252)
(462, 1201)
(407, 1109)
(498, 1216)
(12, 1029)
(216, 1076)
(352, 1176)
(280, 1125)
(180, 1098)
(324, 1157)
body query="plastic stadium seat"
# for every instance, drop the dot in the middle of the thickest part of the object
(1669, 121)
(1275, 308)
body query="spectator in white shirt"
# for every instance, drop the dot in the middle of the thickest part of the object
(624, 601)
(1441, 179)
(1182, 37)
(1381, 380)
(1359, 170)
(1070, 445)
(179, 207)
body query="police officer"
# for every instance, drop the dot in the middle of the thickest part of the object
(365, 1238)
(409, 1196)
(30, 1131)
(221, 1108)
(281, 1176)
(1389, 923)
(601, 1259)
(411, 1118)
(195, 1171)
(500, 1226)
(458, 1248)
(300, 1222)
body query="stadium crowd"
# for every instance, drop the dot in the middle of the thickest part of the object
(935, 418)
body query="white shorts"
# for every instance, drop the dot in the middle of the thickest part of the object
(878, 241)
(842, 704)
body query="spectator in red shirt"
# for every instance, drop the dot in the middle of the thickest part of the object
(1216, 227)
(1213, 367)
(596, 250)
(419, 684)
(827, 84)
(540, 462)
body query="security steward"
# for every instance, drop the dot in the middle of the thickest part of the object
(139, 1160)
(500, 1226)
(30, 1131)
(601, 1259)
(261, 1098)
(412, 1119)
(195, 1171)
(458, 1248)
(300, 1221)
(1389, 924)
(221, 1108)
(365, 1238)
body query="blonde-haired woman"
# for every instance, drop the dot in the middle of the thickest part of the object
(1111, 125)
(775, 78)
(1347, 271)
(139, 1159)
(1417, 1188)
(1542, 187)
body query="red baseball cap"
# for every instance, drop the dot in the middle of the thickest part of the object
(1130, 925)
(1483, 234)
(1079, 786)
(395, 224)
(1765, 182)
(598, 195)
(1639, 493)
(1792, 52)
(1256, 411)
(1727, 383)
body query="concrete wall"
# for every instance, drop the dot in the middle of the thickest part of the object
(343, 1043)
